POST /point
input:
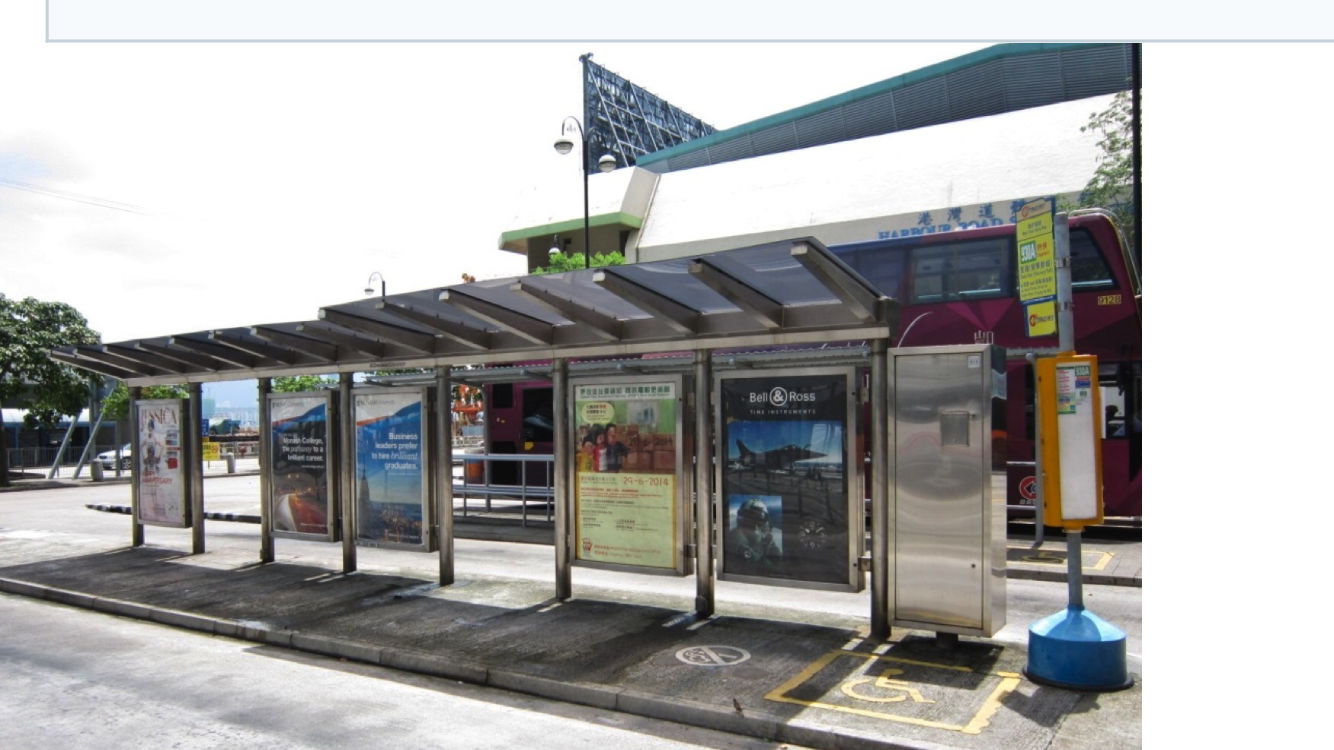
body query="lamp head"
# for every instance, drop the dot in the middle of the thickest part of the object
(606, 163)
(564, 144)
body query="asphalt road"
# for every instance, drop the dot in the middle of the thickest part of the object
(79, 679)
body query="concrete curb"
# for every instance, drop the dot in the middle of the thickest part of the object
(753, 722)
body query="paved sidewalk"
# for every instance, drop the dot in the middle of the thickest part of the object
(787, 676)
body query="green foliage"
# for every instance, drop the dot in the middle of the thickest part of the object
(1112, 184)
(116, 406)
(575, 262)
(29, 329)
(299, 383)
(401, 371)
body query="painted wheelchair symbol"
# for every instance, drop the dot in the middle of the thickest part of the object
(895, 691)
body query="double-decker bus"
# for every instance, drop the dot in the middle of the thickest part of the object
(961, 288)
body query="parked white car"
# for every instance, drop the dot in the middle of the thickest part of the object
(108, 459)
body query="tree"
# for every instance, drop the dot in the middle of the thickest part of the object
(299, 383)
(561, 262)
(1112, 185)
(116, 406)
(29, 329)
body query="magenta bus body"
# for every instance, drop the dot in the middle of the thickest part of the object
(960, 288)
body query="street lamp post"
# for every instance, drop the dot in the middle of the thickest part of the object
(370, 288)
(606, 163)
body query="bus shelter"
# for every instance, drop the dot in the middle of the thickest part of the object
(682, 375)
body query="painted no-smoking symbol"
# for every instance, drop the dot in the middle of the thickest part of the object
(713, 656)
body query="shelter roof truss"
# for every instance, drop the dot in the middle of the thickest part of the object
(777, 294)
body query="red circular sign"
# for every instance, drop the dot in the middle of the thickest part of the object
(1028, 488)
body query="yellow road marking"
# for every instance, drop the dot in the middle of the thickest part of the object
(1044, 557)
(980, 720)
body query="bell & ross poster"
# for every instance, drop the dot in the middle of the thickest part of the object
(784, 479)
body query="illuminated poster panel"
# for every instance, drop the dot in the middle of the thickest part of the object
(788, 517)
(390, 467)
(628, 498)
(162, 475)
(302, 500)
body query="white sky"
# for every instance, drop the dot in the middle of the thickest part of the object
(191, 186)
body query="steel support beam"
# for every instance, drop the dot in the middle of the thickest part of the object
(704, 573)
(415, 340)
(468, 336)
(764, 309)
(266, 550)
(347, 450)
(602, 325)
(444, 475)
(307, 346)
(524, 326)
(861, 301)
(678, 317)
(882, 397)
(195, 463)
(136, 476)
(560, 382)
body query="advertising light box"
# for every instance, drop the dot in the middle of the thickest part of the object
(391, 467)
(162, 475)
(789, 479)
(628, 495)
(302, 495)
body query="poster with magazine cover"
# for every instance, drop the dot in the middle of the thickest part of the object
(162, 474)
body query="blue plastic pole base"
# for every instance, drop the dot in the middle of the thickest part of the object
(1077, 650)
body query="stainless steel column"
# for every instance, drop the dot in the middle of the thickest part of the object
(561, 465)
(265, 457)
(703, 485)
(881, 397)
(347, 442)
(1065, 312)
(136, 528)
(444, 475)
(195, 463)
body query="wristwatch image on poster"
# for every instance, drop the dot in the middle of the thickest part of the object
(783, 452)
(627, 504)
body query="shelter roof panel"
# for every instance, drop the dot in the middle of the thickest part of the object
(773, 295)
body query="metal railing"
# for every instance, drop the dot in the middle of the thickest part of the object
(473, 478)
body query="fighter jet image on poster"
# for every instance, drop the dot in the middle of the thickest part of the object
(782, 459)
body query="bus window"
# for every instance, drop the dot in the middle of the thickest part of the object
(502, 396)
(881, 266)
(1088, 269)
(538, 416)
(1120, 404)
(962, 270)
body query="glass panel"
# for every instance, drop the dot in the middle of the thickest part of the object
(1088, 270)
(882, 266)
(961, 270)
